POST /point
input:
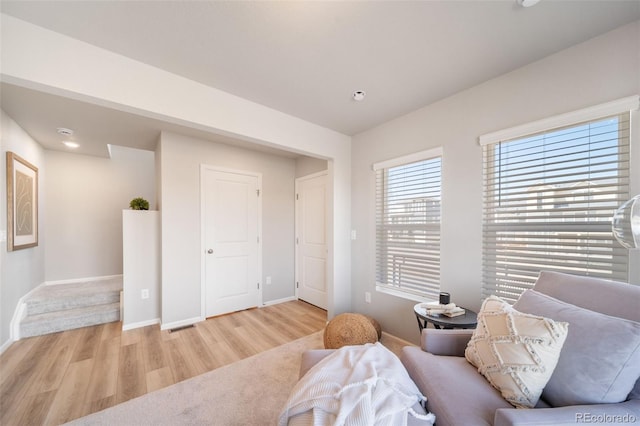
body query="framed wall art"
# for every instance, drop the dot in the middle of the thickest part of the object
(22, 203)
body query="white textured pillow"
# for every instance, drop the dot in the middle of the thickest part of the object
(515, 352)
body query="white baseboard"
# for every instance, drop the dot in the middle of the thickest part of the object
(278, 301)
(18, 314)
(140, 324)
(181, 323)
(82, 280)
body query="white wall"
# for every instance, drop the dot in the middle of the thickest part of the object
(599, 70)
(181, 236)
(308, 165)
(68, 67)
(22, 270)
(140, 268)
(86, 196)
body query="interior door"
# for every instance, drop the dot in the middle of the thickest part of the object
(311, 239)
(231, 246)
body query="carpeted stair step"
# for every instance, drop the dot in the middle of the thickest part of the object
(51, 298)
(68, 319)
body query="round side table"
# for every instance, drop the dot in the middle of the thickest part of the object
(468, 320)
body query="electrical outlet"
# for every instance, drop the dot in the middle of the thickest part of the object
(367, 297)
(144, 293)
(353, 234)
(268, 280)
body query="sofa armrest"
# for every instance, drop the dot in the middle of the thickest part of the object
(627, 412)
(445, 342)
(311, 358)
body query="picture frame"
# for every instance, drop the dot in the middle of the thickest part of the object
(22, 203)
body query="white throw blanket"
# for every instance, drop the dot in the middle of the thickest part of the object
(356, 385)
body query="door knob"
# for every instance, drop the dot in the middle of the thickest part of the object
(210, 251)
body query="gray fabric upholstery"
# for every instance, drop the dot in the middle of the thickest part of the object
(635, 393)
(445, 342)
(602, 414)
(607, 297)
(600, 360)
(456, 393)
(452, 405)
(311, 358)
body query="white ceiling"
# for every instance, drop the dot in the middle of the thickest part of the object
(95, 127)
(306, 58)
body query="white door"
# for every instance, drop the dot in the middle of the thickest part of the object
(311, 239)
(231, 223)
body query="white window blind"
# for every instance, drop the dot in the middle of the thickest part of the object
(548, 203)
(408, 198)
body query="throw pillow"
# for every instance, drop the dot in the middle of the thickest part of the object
(600, 361)
(515, 352)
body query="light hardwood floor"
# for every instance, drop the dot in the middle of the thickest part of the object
(59, 377)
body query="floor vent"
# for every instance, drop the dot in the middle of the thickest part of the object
(181, 328)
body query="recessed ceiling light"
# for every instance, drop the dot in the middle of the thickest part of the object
(64, 131)
(527, 3)
(70, 144)
(358, 95)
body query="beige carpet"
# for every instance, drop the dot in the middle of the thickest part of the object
(247, 392)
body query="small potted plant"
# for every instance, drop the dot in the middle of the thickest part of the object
(139, 204)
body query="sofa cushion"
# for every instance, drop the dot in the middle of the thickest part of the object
(516, 352)
(595, 294)
(600, 361)
(456, 393)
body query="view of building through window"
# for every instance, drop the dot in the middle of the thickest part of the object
(548, 203)
(408, 227)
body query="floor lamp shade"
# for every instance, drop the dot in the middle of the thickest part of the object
(626, 223)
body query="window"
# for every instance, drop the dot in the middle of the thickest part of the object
(548, 202)
(408, 199)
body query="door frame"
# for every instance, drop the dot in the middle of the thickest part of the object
(203, 250)
(297, 223)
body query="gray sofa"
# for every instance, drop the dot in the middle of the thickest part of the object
(596, 380)
(598, 366)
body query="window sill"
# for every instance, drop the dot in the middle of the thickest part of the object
(402, 294)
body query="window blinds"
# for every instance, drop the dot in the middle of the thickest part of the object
(408, 227)
(548, 203)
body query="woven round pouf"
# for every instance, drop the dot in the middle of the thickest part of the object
(375, 325)
(349, 329)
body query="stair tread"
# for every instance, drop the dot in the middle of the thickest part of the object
(59, 307)
(71, 313)
(60, 297)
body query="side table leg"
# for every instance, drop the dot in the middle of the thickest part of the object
(420, 325)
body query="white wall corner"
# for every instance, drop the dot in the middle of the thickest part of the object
(141, 324)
